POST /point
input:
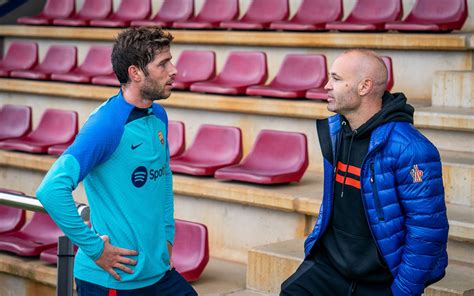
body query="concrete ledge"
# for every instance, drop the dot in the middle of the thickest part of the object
(453, 89)
(456, 41)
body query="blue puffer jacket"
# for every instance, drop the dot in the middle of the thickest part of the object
(404, 206)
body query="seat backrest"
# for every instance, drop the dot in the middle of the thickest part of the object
(57, 126)
(439, 11)
(388, 63)
(97, 61)
(264, 11)
(176, 138)
(133, 10)
(213, 11)
(319, 11)
(42, 227)
(95, 9)
(21, 56)
(302, 70)
(59, 59)
(58, 8)
(376, 11)
(196, 65)
(11, 219)
(175, 10)
(190, 242)
(15, 121)
(246, 68)
(216, 143)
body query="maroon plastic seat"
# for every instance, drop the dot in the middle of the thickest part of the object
(194, 66)
(11, 219)
(320, 93)
(213, 12)
(128, 10)
(15, 121)
(312, 15)
(51, 10)
(58, 149)
(58, 59)
(51, 255)
(96, 63)
(276, 157)
(213, 147)
(369, 15)
(433, 16)
(259, 15)
(176, 139)
(191, 249)
(171, 11)
(91, 10)
(241, 70)
(55, 127)
(297, 74)
(19, 56)
(110, 79)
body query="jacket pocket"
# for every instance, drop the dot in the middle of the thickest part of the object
(378, 206)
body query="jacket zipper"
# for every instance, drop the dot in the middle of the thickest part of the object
(378, 206)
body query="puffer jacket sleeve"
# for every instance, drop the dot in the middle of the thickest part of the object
(421, 194)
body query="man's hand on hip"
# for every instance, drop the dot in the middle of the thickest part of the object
(113, 257)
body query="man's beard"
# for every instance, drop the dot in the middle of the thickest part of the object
(152, 91)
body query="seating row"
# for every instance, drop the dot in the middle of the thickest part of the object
(39, 236)
(367, 15)
(299, 76)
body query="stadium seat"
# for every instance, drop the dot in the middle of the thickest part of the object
(190, 249)
(312, 15)
(110, 79)
(213, 12)
(241, 70)
(96, 63)
(51, 255)
(369, 15)
(58, 59)
(19, 56)
(259, 15)
(128, 10)
(433, 16)
(11, 219)
(91, 10)
(51, 10)
(58, 149)
(297, 74)
(176, 139)
(194, 66)
(213, 147)
(276, 157)
(39, 234)
(171, 11)
(15, 121)
(55, 127)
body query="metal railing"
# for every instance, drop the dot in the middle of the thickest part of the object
(65, 277)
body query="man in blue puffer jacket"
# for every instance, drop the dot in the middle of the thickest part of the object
(382, 227)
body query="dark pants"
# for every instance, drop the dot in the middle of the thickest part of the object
(171, 284)
(316, 277)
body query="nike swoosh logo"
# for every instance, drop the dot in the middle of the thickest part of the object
(136, 146)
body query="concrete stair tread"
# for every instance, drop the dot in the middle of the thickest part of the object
(458, 158)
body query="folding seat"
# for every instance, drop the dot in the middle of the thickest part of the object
(58, 149)
(97, 62)
(276, 157)
(297, 74)
(213, 12)
(51, 255)
(51, 10)
(319, 93)
(369, 15)
(109, 79)
(241, 70)
(11, 219)
(128, 10)
(312, 15)
(15, 121)
(191, 249)
(259, 15)
(19, 56)
(170, 11)
(55, 127)
(213, 147)
(194, 66)
(176, 139)
(433, 16)
(59, 59)
(91, 10)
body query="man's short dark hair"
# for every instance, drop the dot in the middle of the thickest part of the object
(137, 46)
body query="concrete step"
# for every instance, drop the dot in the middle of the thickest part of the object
(453, 89)
(461, 222)
(458, 177)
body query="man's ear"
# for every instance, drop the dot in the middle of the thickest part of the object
(135, 73)
(366, 86)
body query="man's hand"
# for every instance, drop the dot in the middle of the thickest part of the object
(112, 257)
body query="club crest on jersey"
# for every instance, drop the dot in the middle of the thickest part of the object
(416, 174)
(160, 136)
